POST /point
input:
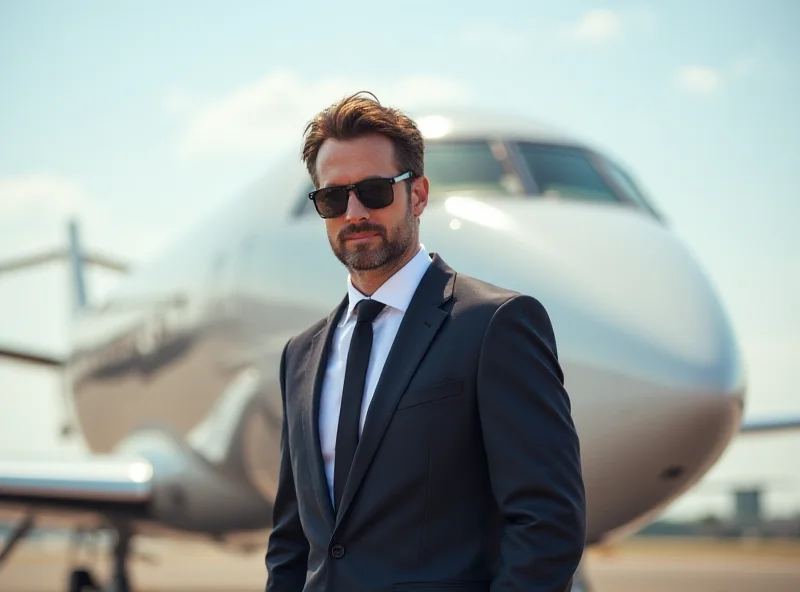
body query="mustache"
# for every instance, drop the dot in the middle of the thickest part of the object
(364, 227)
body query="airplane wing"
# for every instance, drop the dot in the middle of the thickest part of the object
(100, 484)
(782, 423)
(70, 492)
(97, 483)
(30, 357)
(73, 484)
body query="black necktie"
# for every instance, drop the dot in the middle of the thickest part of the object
(355, 376)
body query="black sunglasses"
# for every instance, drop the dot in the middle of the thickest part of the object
(331, 202)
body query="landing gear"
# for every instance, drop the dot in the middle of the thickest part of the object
(17, 535)
(122, 547)
(82, 580)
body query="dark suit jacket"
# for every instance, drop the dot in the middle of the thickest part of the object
(467, 475)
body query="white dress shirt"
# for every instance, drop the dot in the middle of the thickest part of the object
(396, 294)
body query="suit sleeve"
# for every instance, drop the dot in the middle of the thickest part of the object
(287, 551)
(532, 450)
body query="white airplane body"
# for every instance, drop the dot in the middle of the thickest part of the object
(172, 384)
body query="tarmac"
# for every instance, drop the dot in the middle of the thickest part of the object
(634, 566)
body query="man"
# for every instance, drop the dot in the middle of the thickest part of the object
(427, 438)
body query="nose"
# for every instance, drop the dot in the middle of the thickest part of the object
(355, 209)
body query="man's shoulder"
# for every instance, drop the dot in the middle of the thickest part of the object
(475, 295)
(486, 304)
(474, 292)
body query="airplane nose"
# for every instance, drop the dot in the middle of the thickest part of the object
(623, 293)
(636, 302)
(650, 359)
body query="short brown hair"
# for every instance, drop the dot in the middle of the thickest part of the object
(356, 116)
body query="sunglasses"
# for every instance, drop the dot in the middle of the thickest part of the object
(331, 202)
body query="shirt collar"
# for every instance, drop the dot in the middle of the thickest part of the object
(398, 290)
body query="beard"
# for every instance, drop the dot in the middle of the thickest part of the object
(364, 257)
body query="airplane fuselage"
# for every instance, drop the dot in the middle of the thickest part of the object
(651, 366)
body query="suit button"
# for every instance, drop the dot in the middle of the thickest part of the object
(337, 551)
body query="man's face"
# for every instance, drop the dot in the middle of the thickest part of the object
(364, 239)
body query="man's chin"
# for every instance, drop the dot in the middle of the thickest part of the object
(364, 261)
(362, 258)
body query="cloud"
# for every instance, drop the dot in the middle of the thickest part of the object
(35, 208)
(705, 80)
(698, 79)
(490, 37)
(595, 27)
(269, 113)
(38, 192)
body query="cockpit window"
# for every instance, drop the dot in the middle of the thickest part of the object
(626, 184)
(469, 168)
(565, 172)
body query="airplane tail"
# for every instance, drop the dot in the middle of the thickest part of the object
(77, 259)
(76, 264)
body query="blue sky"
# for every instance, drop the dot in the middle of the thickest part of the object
(143, 117)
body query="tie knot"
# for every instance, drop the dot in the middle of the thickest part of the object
(368, 310)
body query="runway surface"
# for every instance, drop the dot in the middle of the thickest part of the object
(651, 565)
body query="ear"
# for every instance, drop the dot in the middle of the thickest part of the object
(419, 196)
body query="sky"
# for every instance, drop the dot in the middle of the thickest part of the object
(142, 118)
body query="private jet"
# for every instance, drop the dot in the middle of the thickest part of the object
(171, 384)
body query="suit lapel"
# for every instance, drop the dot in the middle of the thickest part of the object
(417, 330)
(318, 359)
